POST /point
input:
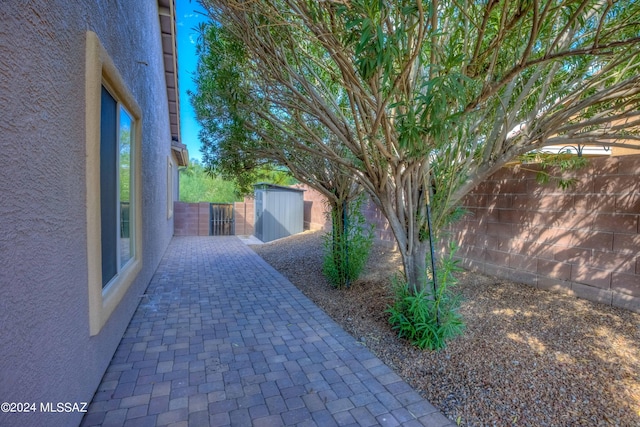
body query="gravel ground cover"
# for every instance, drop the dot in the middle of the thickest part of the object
(528, 357)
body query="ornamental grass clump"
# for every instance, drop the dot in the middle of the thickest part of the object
(429, 317)
(347, 246)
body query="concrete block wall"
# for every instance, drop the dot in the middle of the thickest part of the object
(244, 217)
(315, 210)
(584, 240)
(316, 215)
(374, 216)
(191, 219)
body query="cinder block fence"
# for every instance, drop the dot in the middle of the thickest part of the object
(191, 219)
(584, 240)
(245, 217)
(194, 219)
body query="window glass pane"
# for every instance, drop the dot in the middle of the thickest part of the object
(108, 185)
(124, 162)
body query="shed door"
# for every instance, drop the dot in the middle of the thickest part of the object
(258, 215)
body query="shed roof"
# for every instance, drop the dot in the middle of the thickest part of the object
(274, 187)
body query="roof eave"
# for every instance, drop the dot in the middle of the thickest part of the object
(167, 16)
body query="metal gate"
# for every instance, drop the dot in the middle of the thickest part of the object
(223, 222)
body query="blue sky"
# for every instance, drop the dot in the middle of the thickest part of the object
(189, 14)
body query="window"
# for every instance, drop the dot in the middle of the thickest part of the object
(115, 187)
(170, 189)
(114, 219)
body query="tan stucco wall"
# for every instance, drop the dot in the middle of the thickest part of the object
(616, 151)
(47, 354)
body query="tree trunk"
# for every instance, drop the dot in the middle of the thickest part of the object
(337, 225)
(415, 265)
(412, 246)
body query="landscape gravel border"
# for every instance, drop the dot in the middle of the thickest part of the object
(528, 357)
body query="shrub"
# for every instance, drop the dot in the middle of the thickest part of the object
(347, 246)
(426, 319)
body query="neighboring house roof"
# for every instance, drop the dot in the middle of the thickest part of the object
(180, 152)
(167, 13)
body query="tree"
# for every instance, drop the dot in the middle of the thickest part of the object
(425, 99)
(243, 134)
(197, 186)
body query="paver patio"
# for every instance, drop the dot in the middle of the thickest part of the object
(222, 339)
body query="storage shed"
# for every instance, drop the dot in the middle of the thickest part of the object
(279, 211)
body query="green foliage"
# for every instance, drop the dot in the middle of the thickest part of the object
(227, 146)
(125, 163)
(417, 99)
(425, 318)
(198, 186)
(562, 162)
(276, 176)
(347, 246)
(246, 136)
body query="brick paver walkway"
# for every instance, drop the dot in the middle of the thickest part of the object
(221, 339)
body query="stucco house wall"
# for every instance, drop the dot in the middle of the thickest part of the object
(48, 352)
